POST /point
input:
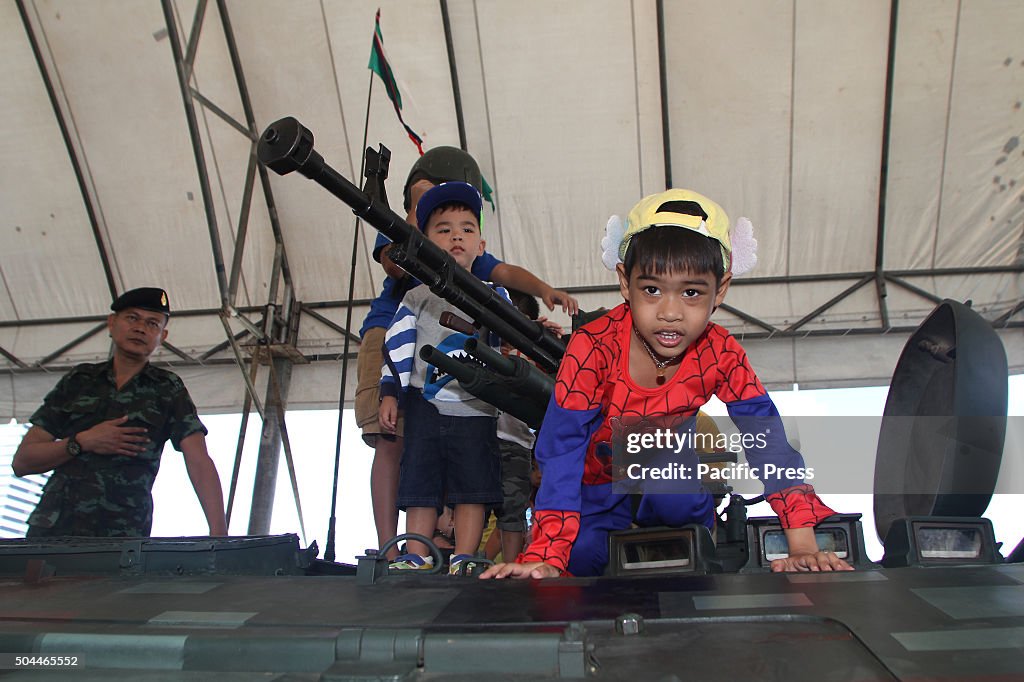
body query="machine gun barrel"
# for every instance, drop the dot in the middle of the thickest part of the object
(494, 360)
(432, 266)
(489, 387)
(463, 373)
(286, 145)
(523, 377)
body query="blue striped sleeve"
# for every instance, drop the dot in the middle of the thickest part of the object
(399, 352)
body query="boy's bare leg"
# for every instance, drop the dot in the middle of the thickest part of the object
(511, 544)
(420, 520)
(387, 456)
(493, 547)
(446, 526)
(469, 527)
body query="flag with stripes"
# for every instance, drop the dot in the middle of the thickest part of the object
(380, 66)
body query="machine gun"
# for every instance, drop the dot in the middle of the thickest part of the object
(286, 146)
(509, 383)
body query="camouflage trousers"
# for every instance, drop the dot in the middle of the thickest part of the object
(83, 502)
(516, 464)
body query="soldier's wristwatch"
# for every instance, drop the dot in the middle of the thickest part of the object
(73, 447)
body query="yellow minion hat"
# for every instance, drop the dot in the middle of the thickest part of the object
(679, 208)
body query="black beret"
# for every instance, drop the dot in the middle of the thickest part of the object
(147, 298)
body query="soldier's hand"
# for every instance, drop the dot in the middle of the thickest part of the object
(113, 438)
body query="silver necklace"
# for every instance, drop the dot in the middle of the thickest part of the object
(659, 364)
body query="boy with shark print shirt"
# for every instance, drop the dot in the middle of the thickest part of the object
(451, 445)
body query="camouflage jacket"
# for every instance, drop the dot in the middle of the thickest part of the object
(109, 495)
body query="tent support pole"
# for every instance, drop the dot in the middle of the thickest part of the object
(456, 93)
(270, 448)
(883, 171)
(666, 138)
(242, 428)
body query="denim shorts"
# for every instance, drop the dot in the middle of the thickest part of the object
(447, 460)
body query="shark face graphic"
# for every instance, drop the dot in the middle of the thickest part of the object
(436, 379)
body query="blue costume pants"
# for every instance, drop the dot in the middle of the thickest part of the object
(603, 511)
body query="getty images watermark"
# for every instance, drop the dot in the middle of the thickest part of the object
(911, 455)
(686, 456)
(713, 468)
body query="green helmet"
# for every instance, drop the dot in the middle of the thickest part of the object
(444, 164)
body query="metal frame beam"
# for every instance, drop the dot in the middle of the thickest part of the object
(193, 38)
(828, 304)
(12, 358)
(243, 227)
(254, 133)
(71, 344)
(309, 358)
(90, 200)
(330, 324)
(453, 68)
(236, 467)
(666, 138)
(275, 328)
(177, 351)
(1004, 321)
(184, 72)
(927, 295)
(822, 277)
(883, 171)
(768, 327)
(859, 279)
(51, 321)
(223, 345)
(220, 113)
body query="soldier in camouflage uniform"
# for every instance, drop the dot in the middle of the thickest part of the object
(102, 430)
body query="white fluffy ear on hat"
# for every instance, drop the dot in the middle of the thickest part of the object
(615, 230)
(744, 247)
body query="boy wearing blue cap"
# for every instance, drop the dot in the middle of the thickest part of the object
(437, 165)
(451, 446)
(102, 431)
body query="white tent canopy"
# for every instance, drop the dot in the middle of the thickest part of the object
(874, 145)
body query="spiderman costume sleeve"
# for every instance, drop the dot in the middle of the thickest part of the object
(573, 416)
(754, 413)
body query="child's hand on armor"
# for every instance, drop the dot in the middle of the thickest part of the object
(532, 569)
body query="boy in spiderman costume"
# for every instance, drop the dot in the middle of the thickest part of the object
(657, 356)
